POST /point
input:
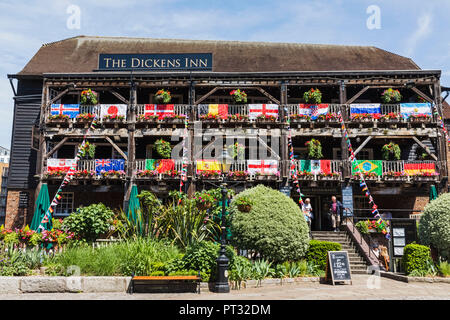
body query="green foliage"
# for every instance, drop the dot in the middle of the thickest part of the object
(141, 256)
(240, 270)
(163, 148)
(11, 238)
(312, 96)
(274, 227)
(444, 268)
(416, 258)
(391, 96)
(90, 222)
(87, 151)
(314, 149)
(391, 151)
(317, 252)
(201, 256)
(244, 203)
(434, 226)
(261, 269)
(362, 227)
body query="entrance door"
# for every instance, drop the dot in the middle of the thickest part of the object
(320, 206)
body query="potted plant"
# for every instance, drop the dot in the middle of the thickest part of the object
(237, 175)
(421, 117)
(265, 118)
(328, 117)
(85, 117)
(244, 204)
(313, 96)
(163, 148)
(239, 97)
(88, 97)
(87, 151)
(147, 118)
(209, 174)
(59, 118)
(391, 96)
(236, 150)
(314, 149)
(146, 173)
(391, 116)
(391, 151)
(204, 200)
(113, 117)
(210, 117)
(299, 117)
(237, 117)
(162, 96)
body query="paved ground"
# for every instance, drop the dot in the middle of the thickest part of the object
(364, 287)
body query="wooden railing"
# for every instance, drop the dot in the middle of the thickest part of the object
(140, 165)
(179, 109)
(335, 170)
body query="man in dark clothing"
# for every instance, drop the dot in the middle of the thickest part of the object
(336, 210)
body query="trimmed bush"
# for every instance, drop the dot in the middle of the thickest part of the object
(317, 252)
(274, 226)
(416, 258)
(434, 226)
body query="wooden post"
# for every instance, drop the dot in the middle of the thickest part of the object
(344, 146)
(441, 139)
(284, 152)
(131, 143)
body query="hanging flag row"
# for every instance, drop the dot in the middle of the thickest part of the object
(100, 165)
(72, 110)
(253, 110)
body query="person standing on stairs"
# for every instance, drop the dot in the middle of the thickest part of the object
(307, 212)
(336, 209)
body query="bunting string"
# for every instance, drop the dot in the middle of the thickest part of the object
(362, 181)
(293, 171)
(68, 177)
(183, 175)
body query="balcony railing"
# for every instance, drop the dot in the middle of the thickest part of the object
(83, 166)
(334, 172)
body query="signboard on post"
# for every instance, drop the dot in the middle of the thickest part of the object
(347, 201)
(338, 267)
(403, 232)
(286, 190)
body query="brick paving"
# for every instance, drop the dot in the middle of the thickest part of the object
(363, 288)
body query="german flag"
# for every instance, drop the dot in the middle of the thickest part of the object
(214, 109)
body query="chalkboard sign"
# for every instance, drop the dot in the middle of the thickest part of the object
(338, 267)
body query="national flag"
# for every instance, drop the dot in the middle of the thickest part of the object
(359, 108)
(414, 168)
(160, 110)
(208, 165)
(72, 110)
(102, 165)
(214, 109)
(409, 109)
(313, 110)
(264, 167)
(366, 166)
(164, 165)
(316, 166)
(60, 164)
(254, 110)
(113, 109)
(118, 164)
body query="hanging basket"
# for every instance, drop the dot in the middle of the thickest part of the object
(244, 207)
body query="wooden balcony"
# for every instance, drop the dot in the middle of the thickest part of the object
(86, 171)
(335, 173)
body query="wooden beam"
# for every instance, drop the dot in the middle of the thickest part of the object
(117, 148)
(423, 95)
(427, 150)
(119, 96)
(269, 148)
(356, 96)
(58, 96)
(206, 95)
(56, 148)
(363, 144)
(268, 95)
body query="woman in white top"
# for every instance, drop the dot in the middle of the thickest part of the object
(307, 211)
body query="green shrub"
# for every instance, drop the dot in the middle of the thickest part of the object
(201, 256)
(157, 273)
(317, 252)
(274, 227)
(434, 226)
(444, 269)
(240, 270)
(415, 258)
(90, 222)
(362, 227)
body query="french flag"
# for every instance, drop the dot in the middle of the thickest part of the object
(71, 110)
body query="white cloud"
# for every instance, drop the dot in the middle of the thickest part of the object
(423, 30)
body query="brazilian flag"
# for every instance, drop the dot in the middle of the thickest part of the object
(368, 166)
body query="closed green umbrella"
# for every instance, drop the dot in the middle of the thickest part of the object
(433, 192)
(134, 212)
(42, 205)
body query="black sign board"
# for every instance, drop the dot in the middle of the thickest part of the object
(156, 62)
(347, 201)
(338, 267)
(286, 190)
(403, 232)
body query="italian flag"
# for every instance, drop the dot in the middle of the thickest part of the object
(315, 166)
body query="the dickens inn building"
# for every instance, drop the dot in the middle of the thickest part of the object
(50, 121)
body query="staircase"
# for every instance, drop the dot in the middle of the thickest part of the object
(357, 263)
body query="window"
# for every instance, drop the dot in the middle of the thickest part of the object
(65, 205)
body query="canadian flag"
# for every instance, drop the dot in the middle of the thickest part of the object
(160, 110)
(60, 164)
(254, 110)
(113, 109)
(268, 167)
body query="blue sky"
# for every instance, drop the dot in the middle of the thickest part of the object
(414, 28)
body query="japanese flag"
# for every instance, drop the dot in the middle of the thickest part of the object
(113, 109)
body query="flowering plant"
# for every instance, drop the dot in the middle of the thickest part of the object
(298, 116)
(209, 174)
(391, 115)
(56, 173)
(425, 174)
(88, 97)
(330, 116)
(314, 149)
(359, 116)
(84, 174)
(147, 117)
(420, 116)
(114, 117)
(210, 116)
(238, 117)
(59, 117)
(172, 117)
(85, 116)
(313, 96)
(147, 173)
(244, 204)
(113, 173)
(391, 150)
(330, 174)
(238, 174)
(374, 225)
(236, 150)
(239, 96)
(305, 173)
(266, 117)
(172, 173)
(390, 96)
(87, 151)
(395, 174)
(163, 96)
(366, 175)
